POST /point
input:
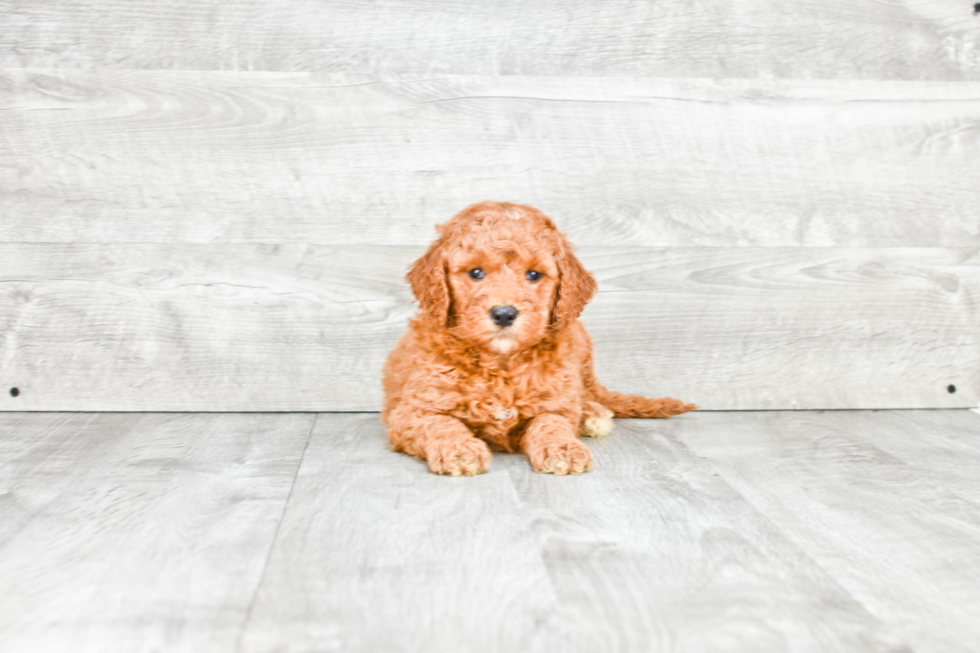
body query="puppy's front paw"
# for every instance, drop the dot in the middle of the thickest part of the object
(458, 457)
(560, 457)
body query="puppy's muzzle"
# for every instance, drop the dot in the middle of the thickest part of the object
(503, 316)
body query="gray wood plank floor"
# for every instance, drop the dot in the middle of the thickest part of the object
(750, 531)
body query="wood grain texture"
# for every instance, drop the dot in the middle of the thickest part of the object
(906, 39)
(941, 445)
(730, 532)
(43, 456)
(377, 554)
(649, 552)
(890, 530)
(146, 533)
(209, 157)
(305, 327)
(790, 328)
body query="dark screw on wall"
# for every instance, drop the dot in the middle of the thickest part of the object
(951, 388)
(14, 392)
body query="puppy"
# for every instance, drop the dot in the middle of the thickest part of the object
(496, 355)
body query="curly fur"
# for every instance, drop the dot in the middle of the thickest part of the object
(457, 382)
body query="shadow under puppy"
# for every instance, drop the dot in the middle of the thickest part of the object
(496, 354)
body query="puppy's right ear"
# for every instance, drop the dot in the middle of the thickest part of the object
(430, 284)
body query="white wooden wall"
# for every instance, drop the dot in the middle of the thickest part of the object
(210, 206)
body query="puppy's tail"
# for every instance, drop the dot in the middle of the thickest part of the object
(623, 405)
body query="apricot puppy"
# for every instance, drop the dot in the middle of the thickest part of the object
(496, 354)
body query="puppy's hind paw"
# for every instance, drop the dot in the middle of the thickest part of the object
(597, 427)
(597, 420)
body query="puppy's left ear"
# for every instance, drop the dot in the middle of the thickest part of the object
(430, 285)
(575, 288)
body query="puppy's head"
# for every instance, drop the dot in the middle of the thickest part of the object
(501, 276)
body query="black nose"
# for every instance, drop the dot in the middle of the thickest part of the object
(503, 315)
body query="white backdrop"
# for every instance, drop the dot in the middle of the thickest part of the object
(210, 206)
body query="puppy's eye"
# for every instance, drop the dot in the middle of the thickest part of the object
(477, 273)
(532, 275)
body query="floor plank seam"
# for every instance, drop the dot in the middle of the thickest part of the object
(275, 538)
